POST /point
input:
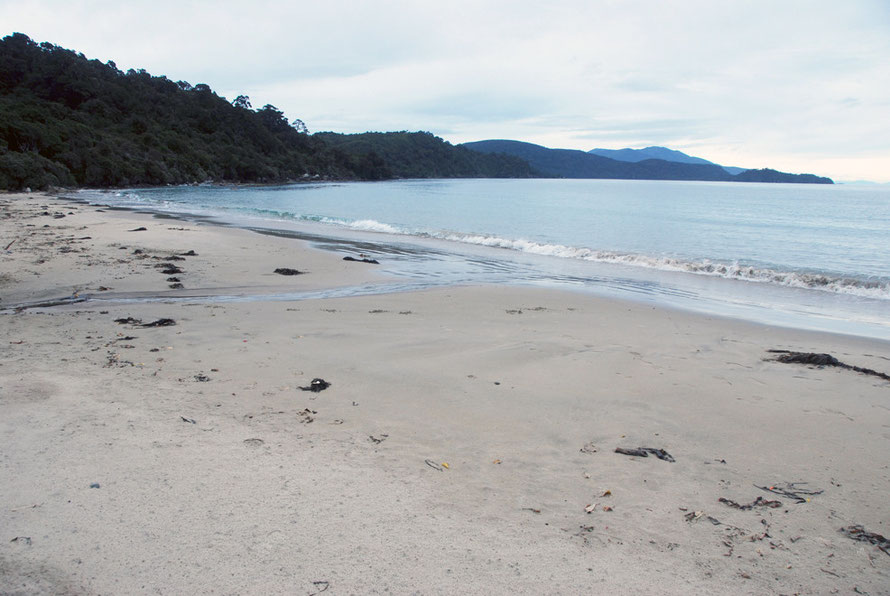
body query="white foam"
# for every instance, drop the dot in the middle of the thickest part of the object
(371, 225)
(879, 289)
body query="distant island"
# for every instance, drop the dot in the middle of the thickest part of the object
(632, 164)
(69, 121)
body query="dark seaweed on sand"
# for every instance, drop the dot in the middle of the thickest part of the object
(814, 359)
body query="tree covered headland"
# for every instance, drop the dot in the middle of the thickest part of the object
(423, 155)
(66, 120)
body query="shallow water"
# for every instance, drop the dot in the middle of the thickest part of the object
(807, 256)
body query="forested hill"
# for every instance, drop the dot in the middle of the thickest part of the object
(568, 163)
(422, 155)
(66, 120)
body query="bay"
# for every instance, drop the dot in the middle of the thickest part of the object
(810, 256)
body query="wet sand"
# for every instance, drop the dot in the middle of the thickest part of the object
(466, 443)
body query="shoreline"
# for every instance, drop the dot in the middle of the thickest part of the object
(791, 298)
(216, 473)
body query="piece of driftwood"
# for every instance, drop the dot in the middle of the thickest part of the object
(792, 490)
(49, 303)
(644, 452)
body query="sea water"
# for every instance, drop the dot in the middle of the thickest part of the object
(809, 256)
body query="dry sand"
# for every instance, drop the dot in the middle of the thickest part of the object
(186, 460)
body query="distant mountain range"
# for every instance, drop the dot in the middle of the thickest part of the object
(632, 164)
(663, 153)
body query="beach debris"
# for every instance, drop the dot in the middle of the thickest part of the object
(115, 360)
(168, 269)
(201, 378)
(288, 271)
(607, 508)
(322, 587)
(433, 465)
(590, 508)
(590, 448)
(174, 279)
(758, 502)
(72, 299)
(306, 416)
(10, 244)
(645, 451)
(189, 420)
(497, 461)
(606, 493)
(95, 485)
(128, 321)
(445, 465)
(820, 360)
(532, 509)
(858, 533)
(792, 490)
(316, 385)
(22, 540)
(697, 515)
(158, 323)
(379, 439)
(176, 286)
(190, 253)
(34, 506)
(139, 229)
(362, 260)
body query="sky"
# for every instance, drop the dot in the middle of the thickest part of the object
(798, 86)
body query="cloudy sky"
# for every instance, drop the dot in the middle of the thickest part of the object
(800, 86)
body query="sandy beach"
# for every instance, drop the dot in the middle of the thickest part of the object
(466, 443)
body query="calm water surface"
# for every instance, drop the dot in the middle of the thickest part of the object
(809, 256)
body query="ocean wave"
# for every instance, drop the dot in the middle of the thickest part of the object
(370, 225)
(879, 289)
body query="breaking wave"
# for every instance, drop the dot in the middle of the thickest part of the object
(867, 288)
(877, 288)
